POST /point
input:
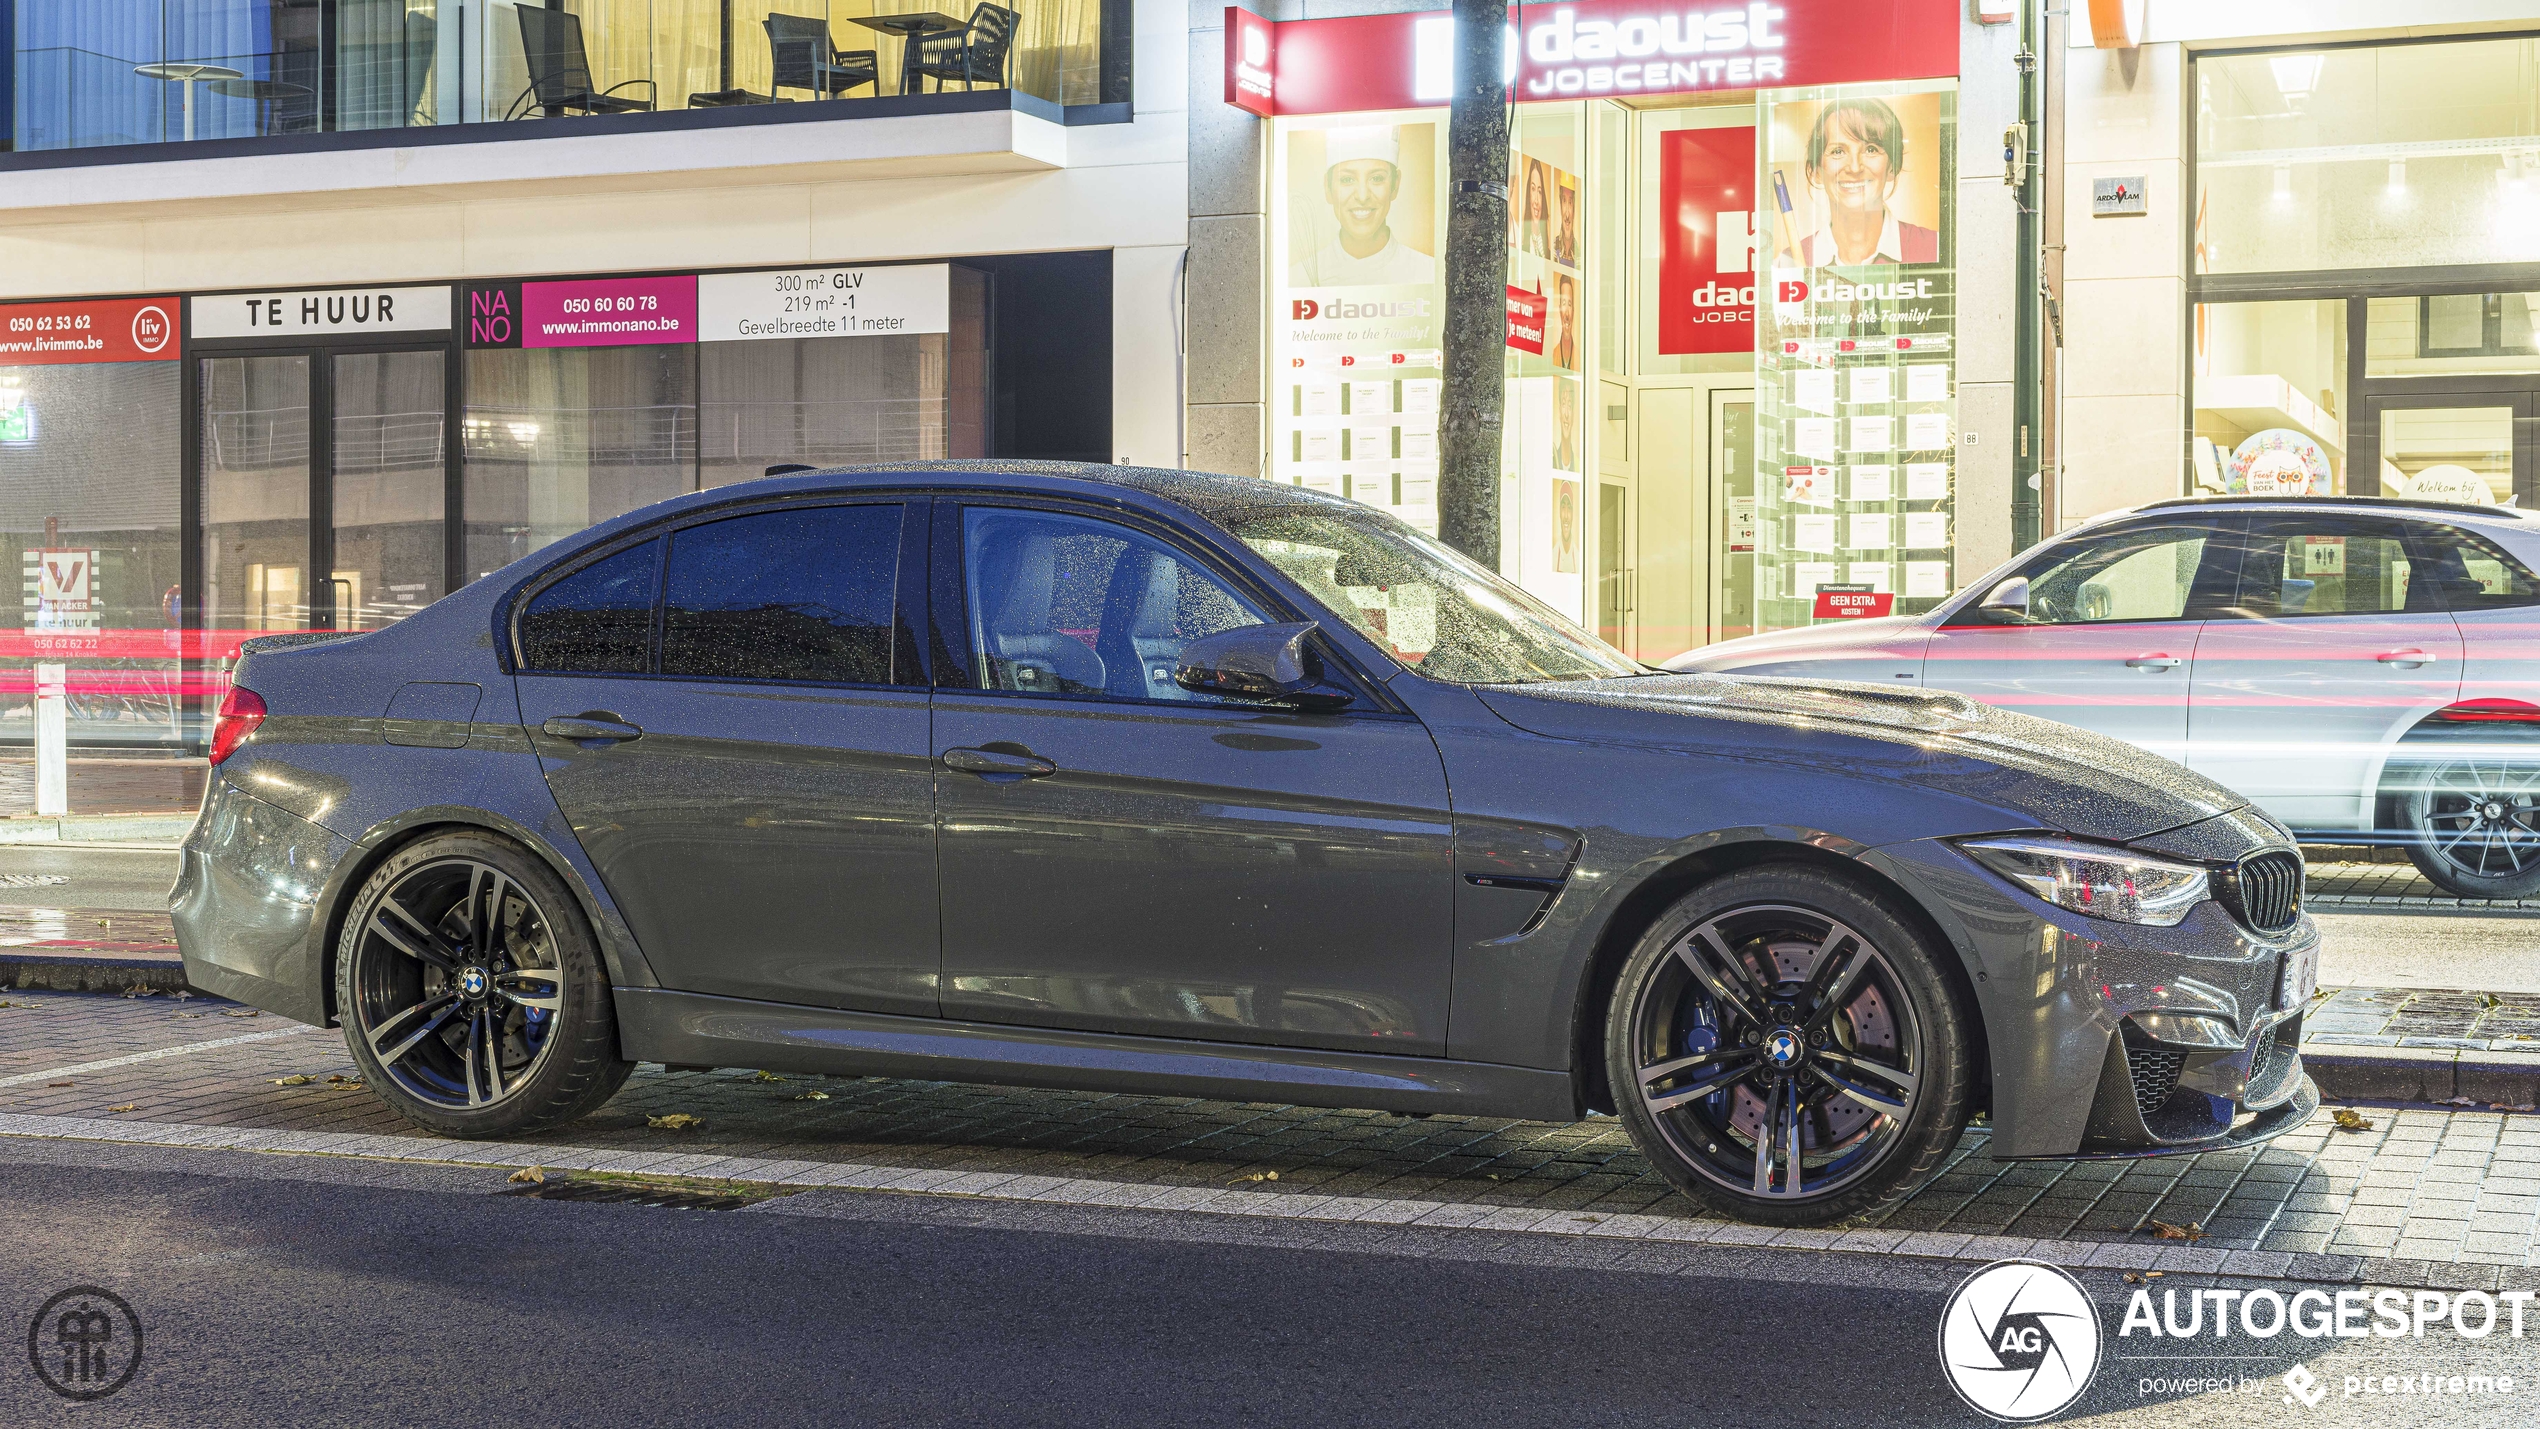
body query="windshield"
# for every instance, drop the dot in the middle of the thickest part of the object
(1428, 605)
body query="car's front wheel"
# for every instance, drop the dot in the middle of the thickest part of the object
(2476, 826)
(472, 993)
(1785, 1049)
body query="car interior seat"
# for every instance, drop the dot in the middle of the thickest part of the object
(1138, 643)
(1024, 651)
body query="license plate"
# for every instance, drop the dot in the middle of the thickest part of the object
(2301, 978)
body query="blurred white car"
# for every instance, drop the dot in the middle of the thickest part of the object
(2366, 670)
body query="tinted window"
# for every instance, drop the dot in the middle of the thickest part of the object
(2139, 574)
(2310, 565)
(784, 595)
(2471, 573)
(597, 620)
(1062, 605)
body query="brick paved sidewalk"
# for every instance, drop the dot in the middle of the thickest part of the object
(2388, 885)
(2438, 1195)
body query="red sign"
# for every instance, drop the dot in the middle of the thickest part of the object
(608, 312)
(101, 330)
(1617, 48)
(1856, 601)
(1525, 320)
(1706, 254)
(1251, 56)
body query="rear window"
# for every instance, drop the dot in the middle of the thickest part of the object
(798, 595)
(596, 621)
(2472, 572)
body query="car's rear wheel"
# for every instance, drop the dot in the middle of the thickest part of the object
(472, 993)
(2476, 826)
(1785, 1049)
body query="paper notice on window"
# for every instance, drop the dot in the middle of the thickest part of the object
(1873, 434)
(1870, 384)
(1927, 481)
(1318, 444)
(1808, 485)
(1322, 478)
(1411, 623)
(1319, 397)
(1872, 531)
(1926, 530)
(1741, 523)
(1420, 394)
(1927, 431)
(1812, 533)
(1926, 580)
(1927, 382)
(1419, 490)
(1873, 574)
(1420, 446)
(1372, 487)
(1371, 399)
(1873, 483)
(1425, 423)
(1813, 437)
(1806, 576)
(1812, 390)
(1371, 444)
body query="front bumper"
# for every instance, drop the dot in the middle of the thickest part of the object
(245, 903)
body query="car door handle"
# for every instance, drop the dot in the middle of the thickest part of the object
(994, 762)
(2153, 662)
(591, 729)
(2409, 658)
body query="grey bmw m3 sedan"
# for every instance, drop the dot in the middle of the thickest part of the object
(1122, 779)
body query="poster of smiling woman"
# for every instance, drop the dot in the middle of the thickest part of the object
(1856, 182)
(1362, 206)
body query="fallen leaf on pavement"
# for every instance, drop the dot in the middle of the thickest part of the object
(189, 1014)
(140, 990)
(2163, 1230)
(240, 1012)
(2348, 1119)
(767, 1077)
(1255, 1176)
(127, 1106)
(813, 1096)
(182, 995)
(296, 1079)
(57, 1084)
(339, 1079)
(676, 1121)
(2458, 1101)
(529, 1176)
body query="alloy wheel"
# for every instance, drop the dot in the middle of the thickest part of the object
(2479, 819)
(456, 984)
(1776, 1049)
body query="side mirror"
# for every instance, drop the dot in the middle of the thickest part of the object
(2007, 603)
(1260, 662)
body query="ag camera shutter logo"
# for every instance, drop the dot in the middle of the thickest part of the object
(2019, 1341)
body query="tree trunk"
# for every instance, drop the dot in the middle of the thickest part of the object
(1476, 285)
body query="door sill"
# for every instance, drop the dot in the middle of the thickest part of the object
(697, 1029)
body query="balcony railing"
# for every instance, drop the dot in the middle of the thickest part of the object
(89, 73)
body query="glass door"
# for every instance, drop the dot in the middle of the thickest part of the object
(1733, 477)
(255, 489)
(2474, 447)
(389, 482)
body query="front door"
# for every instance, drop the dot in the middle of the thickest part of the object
(2111, 635)
(2334, 646)
(1120, 855)
(749, 773)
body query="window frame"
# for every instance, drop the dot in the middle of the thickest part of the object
(2418, 552)
(2216, 578)
(2361, 523)
(910, 667)
(949, 633)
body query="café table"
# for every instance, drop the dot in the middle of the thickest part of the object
(187, 73)
(913, 29)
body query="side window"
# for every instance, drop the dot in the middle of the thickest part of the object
(597, 621)
(1065, 605)
(2141, 574)
(2305, 565)
(2469, 572)
(803, 594)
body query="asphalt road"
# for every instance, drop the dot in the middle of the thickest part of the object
(272, 1290)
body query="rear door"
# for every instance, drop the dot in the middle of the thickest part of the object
(2111, 639)
(733, 717)
(2334, 646)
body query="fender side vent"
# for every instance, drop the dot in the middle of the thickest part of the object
(2155, 1075)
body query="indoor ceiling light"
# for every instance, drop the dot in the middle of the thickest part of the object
(2284, 183)
(2398, 176)
(2296, 75)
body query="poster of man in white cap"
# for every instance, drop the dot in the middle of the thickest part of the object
(1365, 193)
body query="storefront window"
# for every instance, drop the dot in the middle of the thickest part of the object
(89, 459)
(559, 439)
(2368, 157)
(1856, 398)
(2451, 333)
(1544, 510)
(2270, 394)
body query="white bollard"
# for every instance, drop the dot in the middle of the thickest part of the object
(52, 741)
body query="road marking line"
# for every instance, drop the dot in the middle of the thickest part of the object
(24, 1077)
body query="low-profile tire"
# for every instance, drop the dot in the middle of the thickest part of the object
(472, 1025)
(2474, 825)
(1787, 1002)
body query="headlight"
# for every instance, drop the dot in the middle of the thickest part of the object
(2102, 882)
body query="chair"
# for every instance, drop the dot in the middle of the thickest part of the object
(980, 52)
(805, 58)
(560, 70)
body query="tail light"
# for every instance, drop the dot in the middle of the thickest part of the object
(241, 710)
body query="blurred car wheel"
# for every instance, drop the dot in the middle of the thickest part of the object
(2476, 823)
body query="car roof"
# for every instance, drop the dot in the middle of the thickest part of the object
(2446, 509)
